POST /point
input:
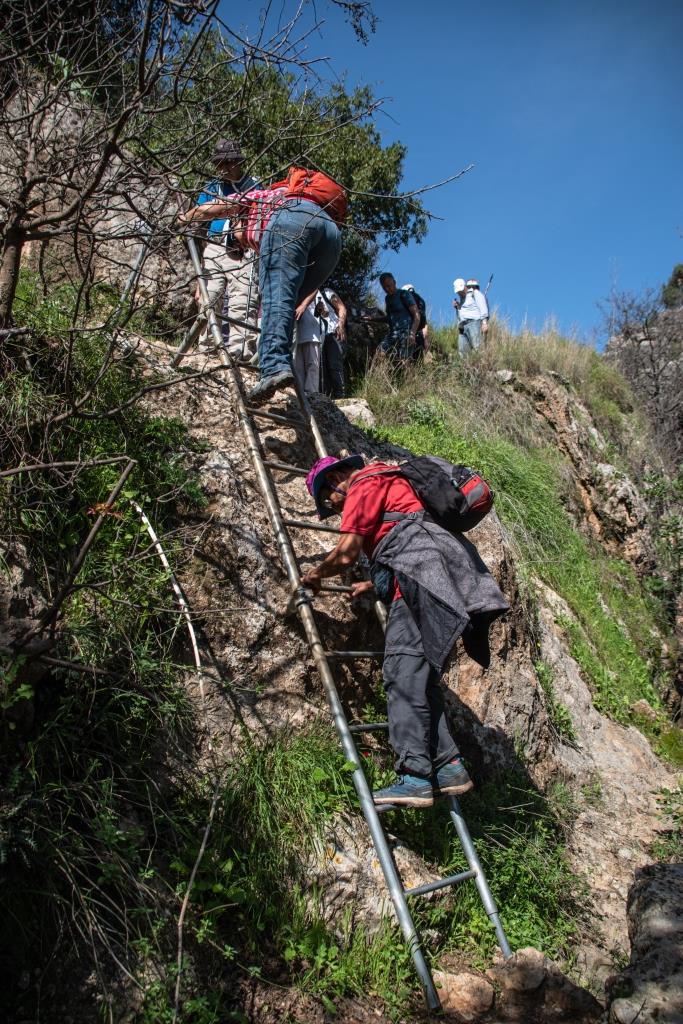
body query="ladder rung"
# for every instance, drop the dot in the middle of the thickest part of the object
(276, 417)
(420, 890)
(370, 727)
(354, 654)
(336, 588)
(305, 525)
(285, 467)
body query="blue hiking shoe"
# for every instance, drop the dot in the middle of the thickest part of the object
(407, 791)
(452, 779)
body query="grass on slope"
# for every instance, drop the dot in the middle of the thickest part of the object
(253, 891)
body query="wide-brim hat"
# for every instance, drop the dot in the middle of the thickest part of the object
(225, 150)
(315, 481)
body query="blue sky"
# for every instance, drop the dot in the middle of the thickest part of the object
(573, 117)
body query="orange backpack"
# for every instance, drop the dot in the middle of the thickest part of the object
(319, 188)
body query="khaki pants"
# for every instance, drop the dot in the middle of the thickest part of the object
(232, 279)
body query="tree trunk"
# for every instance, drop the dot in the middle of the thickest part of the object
(15, 237)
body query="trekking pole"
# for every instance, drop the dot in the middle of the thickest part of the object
(486, 289)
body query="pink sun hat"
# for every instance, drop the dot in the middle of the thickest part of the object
(319, 470)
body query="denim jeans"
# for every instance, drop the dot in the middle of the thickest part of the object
(299, 250)
(471, 337)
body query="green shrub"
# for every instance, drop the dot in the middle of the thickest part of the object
(95, 767)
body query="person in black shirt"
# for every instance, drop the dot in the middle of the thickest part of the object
(403, 315)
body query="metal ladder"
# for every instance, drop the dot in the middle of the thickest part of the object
(264, 469)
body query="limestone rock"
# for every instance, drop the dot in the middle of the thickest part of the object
(609, 504)
(532, 988)
(347, 874)
(523, 972)
(651, 988)
(357, 411)
(21, 600)
(644, 709)
(468, 995)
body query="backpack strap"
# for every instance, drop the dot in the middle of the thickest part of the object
(406, 304)
(378, 472)
(397, 517)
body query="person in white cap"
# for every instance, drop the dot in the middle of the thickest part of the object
(472, 311)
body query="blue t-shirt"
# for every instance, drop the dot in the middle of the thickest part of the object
(397, 309)
(219, 189)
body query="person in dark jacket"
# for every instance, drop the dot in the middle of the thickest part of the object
(438, 589)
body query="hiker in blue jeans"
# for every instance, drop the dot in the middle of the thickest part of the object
(299, 250)
(299, 246)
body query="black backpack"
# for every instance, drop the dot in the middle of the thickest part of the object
(421, 305)
(455, 496)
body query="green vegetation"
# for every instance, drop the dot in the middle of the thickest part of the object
(672, 291)
(520, 840)
(669, 844)
(558, 713)
(96, 751)
(253, 889)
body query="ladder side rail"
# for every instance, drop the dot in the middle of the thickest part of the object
(480, 881)
(146, 231)
(305, 611)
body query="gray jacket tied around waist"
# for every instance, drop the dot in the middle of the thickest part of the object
(446, 585)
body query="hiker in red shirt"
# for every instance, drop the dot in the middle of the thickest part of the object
(438, 589)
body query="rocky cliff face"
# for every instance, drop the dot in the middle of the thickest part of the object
(263, 679)
(651, 988)
(44, 129)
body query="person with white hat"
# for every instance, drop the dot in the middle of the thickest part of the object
(472, 311)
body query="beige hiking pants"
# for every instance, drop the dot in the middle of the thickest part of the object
(236, 280)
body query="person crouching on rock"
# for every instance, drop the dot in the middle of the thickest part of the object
(299, 245)
(438, 589)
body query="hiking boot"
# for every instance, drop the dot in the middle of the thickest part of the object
(452, 779)
(407, 791)
(267, 386)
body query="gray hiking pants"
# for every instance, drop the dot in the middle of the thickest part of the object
(418, 729)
